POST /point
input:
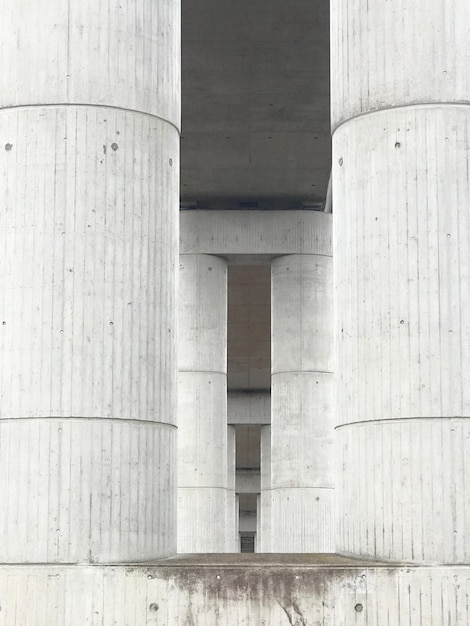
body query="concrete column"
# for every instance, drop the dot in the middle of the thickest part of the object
(202, 405)
(232, 544)
(89, 97)
(263, 543)
(301, 419)
(402, 249)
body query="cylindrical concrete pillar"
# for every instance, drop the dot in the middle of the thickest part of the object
(202, 405)
(301, 417)
(402, 258)
(263, 535)
(89, 97)
(232, 543)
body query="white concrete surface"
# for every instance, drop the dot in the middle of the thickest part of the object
(203, 508)
(302, 468)
(401, 192)
(89, 125)
(250, 591)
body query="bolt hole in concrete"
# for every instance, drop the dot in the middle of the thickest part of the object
(398, 144)
(114, 146)
(154, 607)
(358, 608)
(8, 146)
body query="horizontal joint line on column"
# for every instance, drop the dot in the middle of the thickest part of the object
(202, 372)
(411, 105)
(51, 105)
(282, 255)
(388, 420)
(313, 488)
(205, 487)
(302, 372)
(87, 419)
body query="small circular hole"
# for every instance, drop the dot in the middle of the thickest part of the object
(154, 607)
(114, 146)
(8, 146)
(358, 608)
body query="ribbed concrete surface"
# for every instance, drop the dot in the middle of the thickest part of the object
(89, 170)
(87, 263)
(401, 191)
(410, 504)
(378, 61)
(107, 52)
(230, 591)
(402, 271)
(86, 490)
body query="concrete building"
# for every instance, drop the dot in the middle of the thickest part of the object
(290, 380)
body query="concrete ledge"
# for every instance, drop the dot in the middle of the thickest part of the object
(216, 590)
(255, 232)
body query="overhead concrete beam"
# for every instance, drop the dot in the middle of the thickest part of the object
(255, 232)
(249, 408)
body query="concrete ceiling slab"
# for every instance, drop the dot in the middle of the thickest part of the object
(255, 125)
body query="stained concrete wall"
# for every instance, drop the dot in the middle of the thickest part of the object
(254, 591)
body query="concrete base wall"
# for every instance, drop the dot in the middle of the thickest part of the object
(210, 590)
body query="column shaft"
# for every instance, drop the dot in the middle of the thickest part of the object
(89, 97)
(301, 423)
(402, 249)
(202, 405)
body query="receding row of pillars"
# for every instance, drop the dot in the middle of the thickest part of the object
(89, 119)
(297, 499)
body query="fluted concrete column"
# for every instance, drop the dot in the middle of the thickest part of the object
(301, 419)
(88, 220)
(202, 405)
(402, 258)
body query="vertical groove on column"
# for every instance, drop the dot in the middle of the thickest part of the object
(408, 506)
(89, 187)
(401, 280)
(90, 493)
(78, 276)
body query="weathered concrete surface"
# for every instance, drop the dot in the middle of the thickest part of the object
(202, 406)
(401, 192)
(89, 172)
(302, 468)
(320, 590)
